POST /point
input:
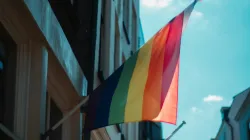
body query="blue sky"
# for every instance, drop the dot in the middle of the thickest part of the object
(215, 59)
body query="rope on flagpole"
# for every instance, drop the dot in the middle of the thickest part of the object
(8, 132)
(177, 129)
(48, 132)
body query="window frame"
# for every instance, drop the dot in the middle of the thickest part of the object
(8, 93)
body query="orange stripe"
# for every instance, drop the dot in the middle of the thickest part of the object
(168, 112)
(152, 91)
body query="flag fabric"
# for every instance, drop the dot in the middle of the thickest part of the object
(145, 87)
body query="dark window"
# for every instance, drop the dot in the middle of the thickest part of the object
(156, 130)
(100, 65)
(103, 8)
(126, 13)
(117, 53)
(1, 86)
(1, 81)
(7, 80)
(134, 30)
(248, 129)
(125, 22)
(122, 137)
(54, 115)
(151, 131)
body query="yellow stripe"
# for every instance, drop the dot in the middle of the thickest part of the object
(133, 110)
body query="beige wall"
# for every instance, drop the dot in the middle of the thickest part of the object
(45, 62)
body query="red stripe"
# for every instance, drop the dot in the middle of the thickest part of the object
(172, 53)
(152, 91)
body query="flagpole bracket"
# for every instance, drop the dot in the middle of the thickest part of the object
(46, 134)
(83, 109)
(82, 106)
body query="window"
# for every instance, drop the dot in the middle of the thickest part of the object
(145, 129)
(119, 127)
(156, 130)
(54, 115)
(1, 85)
(134, 31)
(117, 49)
(2, 52)
(126, 9)
(126, 13)
(248, 129)
(151, 130)
(102, 34)
(103, 8)
(7, 81)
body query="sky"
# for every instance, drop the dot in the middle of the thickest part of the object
(215, 59)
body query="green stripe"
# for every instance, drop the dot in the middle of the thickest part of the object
(119, 100)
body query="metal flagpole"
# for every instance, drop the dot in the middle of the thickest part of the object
(177, 129)
(8, 132)
(48, 132)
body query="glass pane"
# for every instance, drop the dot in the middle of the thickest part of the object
(121, 127)
(55, 116)
(2, 52)
(1, 65)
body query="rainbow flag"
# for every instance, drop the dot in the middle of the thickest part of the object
(145, 87)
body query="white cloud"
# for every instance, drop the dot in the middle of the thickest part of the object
(156, 3)
(212, 98)
(197, 14)
(198, 20)
(195, 110)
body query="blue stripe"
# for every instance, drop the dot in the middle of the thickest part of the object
(100, 101)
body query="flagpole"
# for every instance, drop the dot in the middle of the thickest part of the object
(177, 129)
(48, 132)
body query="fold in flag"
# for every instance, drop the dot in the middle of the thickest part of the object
(145, 87)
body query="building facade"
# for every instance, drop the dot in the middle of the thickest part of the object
(117, 39)
(54, 52)
(41, 79)
(236, 119)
